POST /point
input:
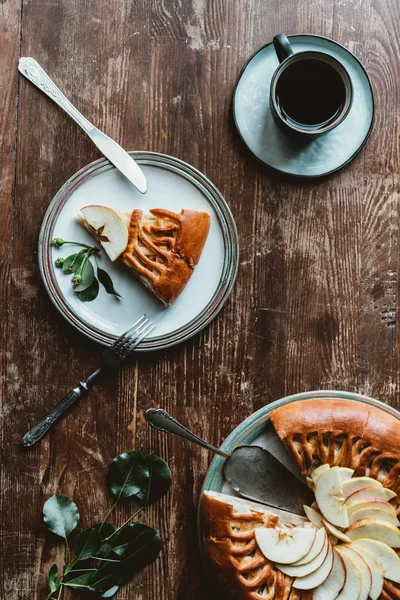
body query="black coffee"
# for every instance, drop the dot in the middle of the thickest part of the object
(311, 93)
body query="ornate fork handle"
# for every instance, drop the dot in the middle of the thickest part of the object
(112, 358)
(76, 394)
(43, 426)
(34, 72)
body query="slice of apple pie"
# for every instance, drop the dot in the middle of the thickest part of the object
(161, 248)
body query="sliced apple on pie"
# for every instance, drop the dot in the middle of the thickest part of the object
(108, 227)
(261, 552)
(161, 248)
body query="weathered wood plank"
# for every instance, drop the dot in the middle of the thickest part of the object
(13, 548)
(315, 305)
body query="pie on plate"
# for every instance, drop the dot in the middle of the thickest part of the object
(161, 248)
(347, 545)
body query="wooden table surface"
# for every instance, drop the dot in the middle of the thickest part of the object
(315, 304)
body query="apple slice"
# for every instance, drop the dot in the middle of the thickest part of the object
(385, 556)
(333, 584)
(377, 503)
(359, 483)
(316, 548)
(368, 494)
(314, 579)
(332, 530)
(373, 513)
(375, 568)
(362, 568)
(310, 482)
(377, 530)
(108, 227)
(316, 474)
(329, 496)
(309, 567)
(285, 545)
(345, 473)
(352, 585)
(313, 515)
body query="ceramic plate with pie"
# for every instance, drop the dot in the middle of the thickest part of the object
(180, 255)
(346, 545)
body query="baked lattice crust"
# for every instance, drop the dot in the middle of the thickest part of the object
(390, 591)
(164, 247)
(231, 548)
(342, 433)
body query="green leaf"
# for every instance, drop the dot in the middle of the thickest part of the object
(105, 578)
(87, 543)
(133, 547)
(106, 282)
(144, 547)
(72, 263)
(105, 549)
(105, 529)
(111, 592)
(160, 477)
(60, 515)
(121, 540)
(128, 537)
(90, 293)
(129, 475)
(53, 583)
(68, 263)
(87, 275)
(79, 578)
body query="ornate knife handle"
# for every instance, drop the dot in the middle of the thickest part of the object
(161, 420)
(34, 72)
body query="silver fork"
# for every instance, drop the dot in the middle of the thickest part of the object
(112, 358)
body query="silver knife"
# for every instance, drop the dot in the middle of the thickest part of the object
(111, 150)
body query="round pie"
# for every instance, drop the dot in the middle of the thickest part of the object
(335, 434)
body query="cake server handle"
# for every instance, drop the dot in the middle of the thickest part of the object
(161, 420)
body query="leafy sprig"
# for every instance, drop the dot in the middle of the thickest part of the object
(85, 277)
(107, 557)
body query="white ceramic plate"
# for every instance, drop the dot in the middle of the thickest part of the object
(174, 185)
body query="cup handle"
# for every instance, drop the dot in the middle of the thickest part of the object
(282, 47)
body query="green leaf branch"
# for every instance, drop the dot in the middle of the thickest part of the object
(107, 557)
(85, 277)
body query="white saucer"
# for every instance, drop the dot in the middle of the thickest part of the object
(174, 185)
(283, 152)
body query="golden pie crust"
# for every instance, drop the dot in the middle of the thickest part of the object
(230, 546)
(345, 434)
(164, 247)
(337, 432)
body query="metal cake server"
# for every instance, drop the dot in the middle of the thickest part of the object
(111, 150)
(252, 471)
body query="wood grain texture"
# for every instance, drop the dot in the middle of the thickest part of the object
(315, 305)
